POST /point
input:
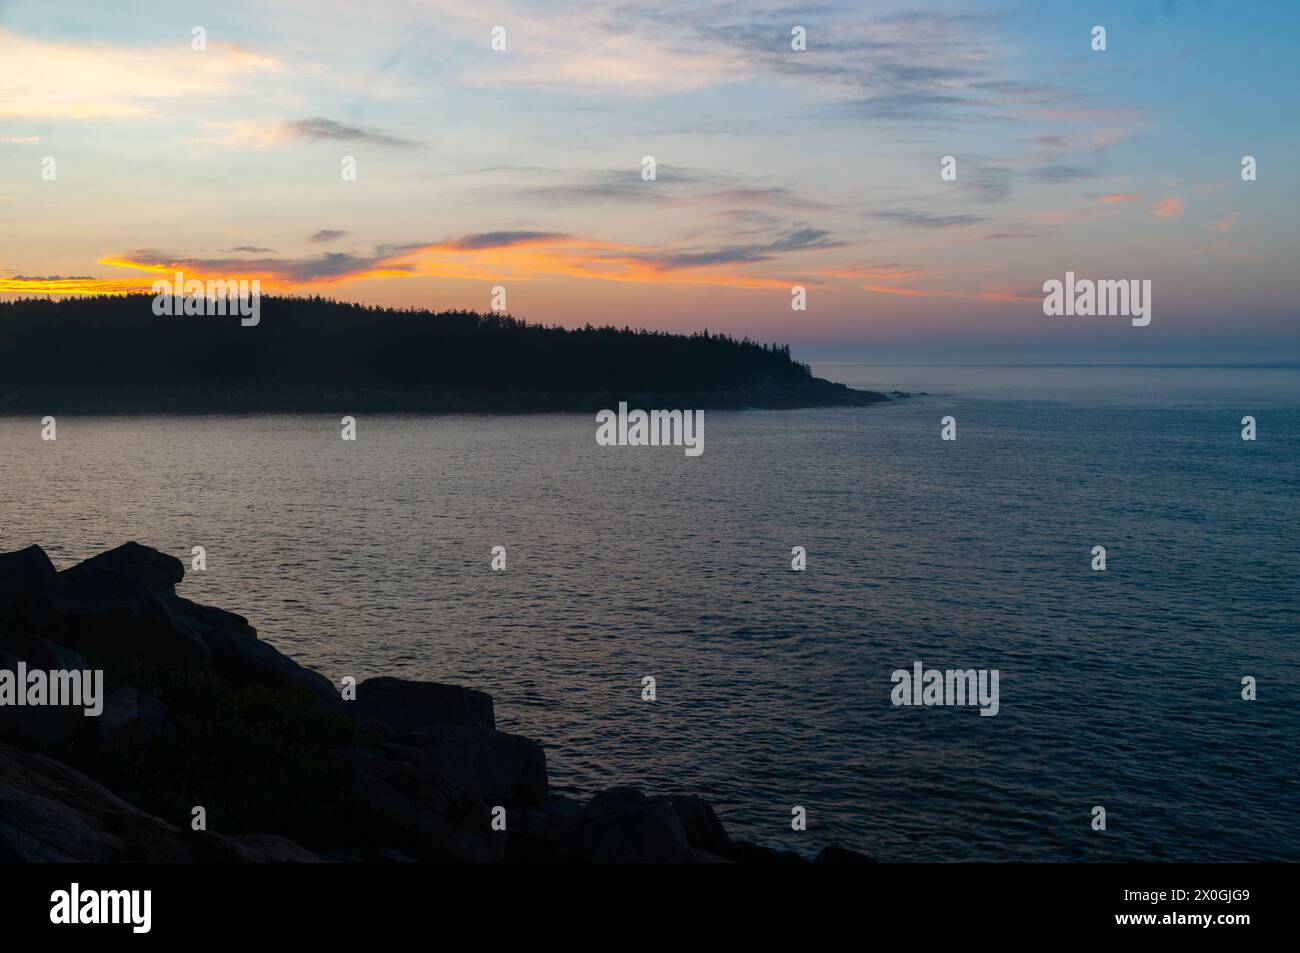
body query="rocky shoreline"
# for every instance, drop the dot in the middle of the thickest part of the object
(210, 745)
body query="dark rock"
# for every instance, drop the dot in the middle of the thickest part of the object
(618, 829)
(392, 782)
(613, 800)
(410, 706)
(240, 658)
(38, 725)
(544, 835)
(156, 571)
(50, 813)
(39, 652)
(503, 769)
(210, 616)
(20, 573)
(358, 855)
(703, 829)
(564, 811)
(131, 720)
(41, 725)
(114, 616)
(842, 855)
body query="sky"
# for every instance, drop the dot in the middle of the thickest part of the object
(523, 167)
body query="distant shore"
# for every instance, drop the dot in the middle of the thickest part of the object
(115, 355)
(806, 393)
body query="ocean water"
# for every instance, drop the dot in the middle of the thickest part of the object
(1120, 689)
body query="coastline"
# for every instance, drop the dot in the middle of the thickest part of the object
(809, 393)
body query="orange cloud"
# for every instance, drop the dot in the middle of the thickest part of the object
(1117, 198)
(72, 286)
(1169, 207)
(492, 256)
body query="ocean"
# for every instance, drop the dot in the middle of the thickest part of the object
(1120, 689)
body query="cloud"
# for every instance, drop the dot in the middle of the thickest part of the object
(251, 249)
(251, 134)
(927, 219)
(52, 278)
(1113, 198)
(1017, 232)
(318, 128)
(326, 235)
(1055, 172)
(799, 240)
(44, 79)
(989, 183)
(505, 239)
(288, 272)
(634, 52)
(1169, 207)
(910, 105)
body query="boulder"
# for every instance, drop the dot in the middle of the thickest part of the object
(210, 616)
(703, 829)
(622, 826)
(20, 573)
(545, 835)
(50, 813)
(392, 782)
(155, 571)
(612, 800)
(411, 706)
(503, 769)
(239, 657)
(101, 611)
(39, 652)
(38, 726)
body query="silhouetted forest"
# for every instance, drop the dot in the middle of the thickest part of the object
(310, 350)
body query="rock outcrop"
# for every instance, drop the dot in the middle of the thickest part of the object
(51, 813)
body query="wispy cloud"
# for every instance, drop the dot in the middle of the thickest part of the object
(1058, 172)
(329, 129)
(1113, 198)
(254, 134)
(44, 79)
(1169, 207)
(922, 219)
